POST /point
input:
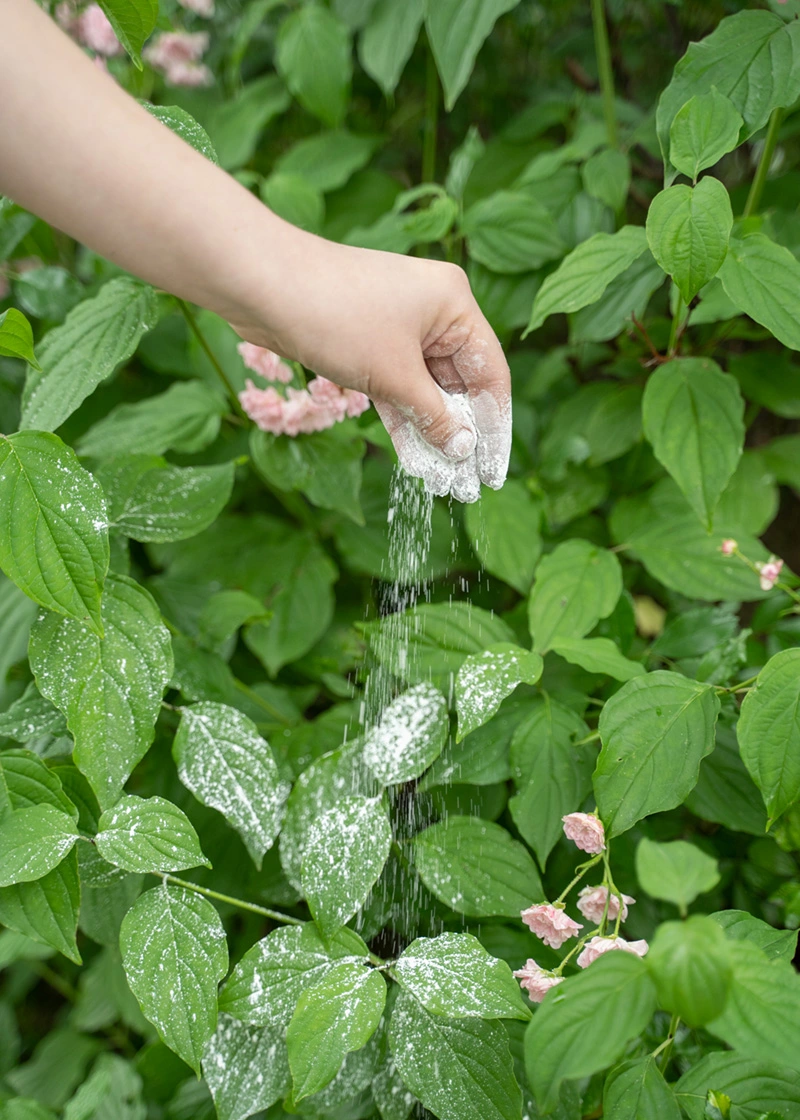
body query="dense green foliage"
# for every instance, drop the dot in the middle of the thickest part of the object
(222, 892)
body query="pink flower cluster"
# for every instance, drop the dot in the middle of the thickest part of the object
(592, 904)
(91, 28)
(728, 546)
(586, 831)
(204, 8)
(536, 981)
(177, 54)
(550, 923)
(266, 363)
(599, 945)
(769, 572)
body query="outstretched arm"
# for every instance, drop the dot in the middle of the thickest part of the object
(78, 151)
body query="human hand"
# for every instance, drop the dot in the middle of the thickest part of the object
(408, 333)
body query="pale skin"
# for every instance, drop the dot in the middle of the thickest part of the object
(79, 152)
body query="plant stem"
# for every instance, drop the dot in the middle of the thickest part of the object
(675, 333)
(584, 867)
(431, 119)
(275, 915)
(605, 73)
(188, 315)
(666, 1045)
(764, 163)
(590, 738)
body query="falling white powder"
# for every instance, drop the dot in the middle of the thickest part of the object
(409, 737)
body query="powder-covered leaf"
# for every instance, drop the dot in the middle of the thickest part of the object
(409, 736)
(246, 1068)
(54, 539)
(148, 835)
(226, 764)
(32, 842)
(175, 954)
(110, 689)
(485, 679)
(347, 848)
(184, 125)
(31, 715)
(576, 585)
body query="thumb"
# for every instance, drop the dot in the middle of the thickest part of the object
(444, 421)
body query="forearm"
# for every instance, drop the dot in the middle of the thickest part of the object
(139, 195)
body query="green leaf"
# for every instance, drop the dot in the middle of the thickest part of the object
(456, 32)
(340, 1013)
(476, 868)
(186, 419)
(133, 21)
(265, 985)
(327, 160)
(235, 125)
(702, 132)
(29, 717)
(755, 1085)
(511, 232)
(585, 273)
(17, 613)
(777, 944)
(461, 1069)
(96, 337)
(752, 57)
(48, 292)
(769, 732)
(224, 612)
(294, 200)
(485, 679)
(453, 975)
(676, 872)
(762, 1015)
(26, 781)
(24, 1108)
(109, 689)
(183, 124)
(226, 764)
(627, 295)
(636, 1090)
(323, 465)
(503, 529)
(313, 55)
(655, 731)
(763, 280)
(688, 230)
(576, 585)
(607, 176)
(690, 964)
(346, 850)
(151, 501)
(54, 543)
(409, 735)
(393, 1098)
(388, 40)
(615, 995)
(246, 1068)
(16, 337)
(598, 655)
(148, 835)
(174, 953)
(47, 909)
(32, 842)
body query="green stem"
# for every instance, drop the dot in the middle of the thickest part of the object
(229, 389)
(674, 333)
(431, 119)
(590, 738)
(764, 163)
(665, 1049)
(275, 915)
(605, 72)
(581, 871)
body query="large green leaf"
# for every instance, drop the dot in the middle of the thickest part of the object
(702, 131)
(778, 944)
(85, 349)
(503, 528)
(246, 1068)
(174, 953)
(688, 230)
(54, 543)
(313, 55)
(226, 764)
(109, 688)
(325, 466)
(47, 909)
(763, 280)
(755, 1086)
(388, 40)
(655, 731)
(32, 842)
(690, 964)
(576, 585)
(598, 655)
(615, 995)
(694, 418)
(676, 872)
(16, 336)
(753, 58)
(186, 418)
(456, 31)
(511, 232)
(586, 272)
(327, 160)
(453, 975)
(148, 835)
(476, 867)
(636, 1090)
(485, 679)
(409, 735)
(769, 732)
(133, 21)
(461, 1069)
(235, 125)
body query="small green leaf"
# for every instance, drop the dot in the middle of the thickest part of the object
(607, 176)
(314, 57)
(702, 132)
(16, 337)
(54, 543)
(763, 280)
(235, 124)
(690, 964)
(485, 679)
(246, 1068)
(292, 198)
(133, 21)
(636, 1090)
(778, 944)
(688, 230)
(388, 40)
(151, 835)
(174, 953)
(323, 465)
(453, 975)
(676, 872)
(456, 30)
(32, 842)
(504, 530)
(756, 1084)
(598, 655)
(184, 125)
(27, 718)
(511, 232)
(576, 585)
(327, 160)
(409, 735)
(47, 909)
(769, 732)
(26, 781)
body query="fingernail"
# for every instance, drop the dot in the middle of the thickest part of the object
(460, 445)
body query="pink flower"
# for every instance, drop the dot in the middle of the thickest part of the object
(177, 55)
(356, 402)
(592, 904)
(264, 407)
(599, 945)
(728, 546)
(314, 409)
(536, 981)
(189, 74)
(769, 572)
(204, 8)
(265, 362)
(93, 29)
(550, 923)
(586, 831)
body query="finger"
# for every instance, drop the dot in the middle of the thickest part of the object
(482, 366)
(416, 458)
(444, 421)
